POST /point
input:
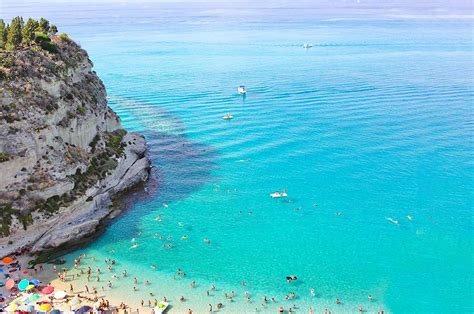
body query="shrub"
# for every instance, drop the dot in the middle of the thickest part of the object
(44, 41)
(64, 37)
(81, 110)
(4, 156)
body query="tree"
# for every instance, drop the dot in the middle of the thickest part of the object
(28, 32)
(43, 25)
(3, 34)
(53, 29)
(14, 33)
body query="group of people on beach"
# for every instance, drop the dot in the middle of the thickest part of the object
(91, 293)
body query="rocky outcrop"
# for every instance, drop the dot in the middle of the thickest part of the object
(63, 152)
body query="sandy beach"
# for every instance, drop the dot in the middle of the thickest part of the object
(63, 279)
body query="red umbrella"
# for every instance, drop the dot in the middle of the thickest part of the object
(48, 290)
(10, 283)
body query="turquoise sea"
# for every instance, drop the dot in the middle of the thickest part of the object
(375, 121)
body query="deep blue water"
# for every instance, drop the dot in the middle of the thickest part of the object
(374, 122)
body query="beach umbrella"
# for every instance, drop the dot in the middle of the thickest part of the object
(58, 295)
(29, 287)
(55, 312)
(35, 282)
(9, 284)
(34, 297)
(7, 260)
(83, 309)
(12, 307)
(27, 308)
(75, 301)
(23, 284)
(46, 307)
(48, 290)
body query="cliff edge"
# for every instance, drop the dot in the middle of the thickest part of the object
(63, 152)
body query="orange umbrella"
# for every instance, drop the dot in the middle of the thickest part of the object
(7, 260)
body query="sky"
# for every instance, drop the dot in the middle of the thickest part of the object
(411, 8)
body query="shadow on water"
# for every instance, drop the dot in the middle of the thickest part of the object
(180, 167)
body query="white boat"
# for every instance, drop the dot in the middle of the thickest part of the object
(307, 46)
(279, 194)
(241, 89)
(393, 220)
(162, 306)
(228, 117)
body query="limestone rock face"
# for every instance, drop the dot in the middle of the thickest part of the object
(63, 151)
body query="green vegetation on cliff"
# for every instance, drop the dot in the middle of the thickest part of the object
(33, 32)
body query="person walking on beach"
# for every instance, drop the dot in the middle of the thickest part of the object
(210, 308)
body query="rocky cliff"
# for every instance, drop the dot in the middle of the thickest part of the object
(63, 152)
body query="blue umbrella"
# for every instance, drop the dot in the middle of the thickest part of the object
(83, 309)
(35, 282)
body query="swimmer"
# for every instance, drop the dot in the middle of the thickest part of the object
(312, 292)
(207, 241)
(158, 218)
(153, 266)
(369, 297)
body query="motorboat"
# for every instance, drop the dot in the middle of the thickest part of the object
(228, 117)
(393, 220)
(241, 89)
(307, 46)
(161, 307)
(279, 194)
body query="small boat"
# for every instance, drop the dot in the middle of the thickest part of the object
(228, 117)
(307, 46)
(393, 220)
(410, 217)
(162, 306)
(241, 89)
(279, 194)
